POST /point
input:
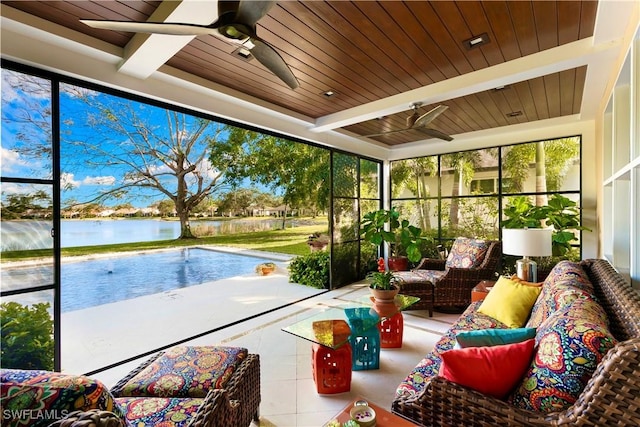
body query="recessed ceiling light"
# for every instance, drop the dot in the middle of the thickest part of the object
(503, 87)
(243, 53)
(329, 93)
(476, 41)
(514, 113)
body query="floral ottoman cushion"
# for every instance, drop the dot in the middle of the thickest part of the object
(158, 411)
(38, 398)
(184, 371)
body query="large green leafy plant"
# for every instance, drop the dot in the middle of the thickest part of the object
(311, 270)
(385, 226)
(560, 213)
(26, 336)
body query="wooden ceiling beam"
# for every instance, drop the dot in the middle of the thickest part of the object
(572, 55)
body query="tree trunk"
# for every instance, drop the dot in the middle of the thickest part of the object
(185, 226)
(455, 192)
(541, 175)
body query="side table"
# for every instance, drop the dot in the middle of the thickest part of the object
(480, 291)
(384, 418)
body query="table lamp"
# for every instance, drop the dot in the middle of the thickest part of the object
(527, 242)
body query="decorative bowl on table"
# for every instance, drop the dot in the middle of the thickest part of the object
(363, 414)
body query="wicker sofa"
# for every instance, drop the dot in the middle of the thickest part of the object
(203, 386)
(608, 393)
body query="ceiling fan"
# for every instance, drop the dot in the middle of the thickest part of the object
(419, 122)
(236, 24)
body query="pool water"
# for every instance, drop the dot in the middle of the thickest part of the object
(89, 283)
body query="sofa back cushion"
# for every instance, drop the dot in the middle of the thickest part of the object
(38, 398)
(467, 253)
(566, 282)
(570, 344)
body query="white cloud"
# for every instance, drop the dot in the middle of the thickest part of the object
(67, 181)
(10, 160)
(99, 180)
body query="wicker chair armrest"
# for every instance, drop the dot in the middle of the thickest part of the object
(244, 386)
(466, 274)
(217, 410)
(431, 264)
(90, 418)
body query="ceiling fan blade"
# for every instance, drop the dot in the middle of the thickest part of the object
(174, 29)
(250, 11)
(427, 118)
(436, 134)
(273, 61)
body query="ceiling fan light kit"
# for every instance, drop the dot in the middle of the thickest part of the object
(420, 122)
(236, 24)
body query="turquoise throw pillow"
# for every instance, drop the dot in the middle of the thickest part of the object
(491, 337)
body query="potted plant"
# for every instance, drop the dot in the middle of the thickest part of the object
(265, 268)
(385, 226)
(383, 284)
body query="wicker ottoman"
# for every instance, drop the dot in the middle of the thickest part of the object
(185, 371)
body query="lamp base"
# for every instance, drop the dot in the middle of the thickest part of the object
(527, 270)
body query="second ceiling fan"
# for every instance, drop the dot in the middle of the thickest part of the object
(236, 24)
(420, 122)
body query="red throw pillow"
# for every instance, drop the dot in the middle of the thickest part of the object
(493, 371)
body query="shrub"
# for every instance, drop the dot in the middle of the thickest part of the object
(311, 270)
(26, 336)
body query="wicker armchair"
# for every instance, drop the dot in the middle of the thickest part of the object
(243, 388)
(445, 283)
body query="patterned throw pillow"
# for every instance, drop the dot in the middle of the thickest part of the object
(38, 398)
(467, 253)
(571, 343)
(184, 371)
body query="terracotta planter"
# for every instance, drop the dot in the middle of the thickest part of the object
(398, 263)
(382, 295)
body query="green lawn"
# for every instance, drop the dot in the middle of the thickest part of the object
(291, 241)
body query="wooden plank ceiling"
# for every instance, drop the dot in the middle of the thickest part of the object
(369, 50)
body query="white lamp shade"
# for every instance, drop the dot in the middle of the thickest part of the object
(527, 241)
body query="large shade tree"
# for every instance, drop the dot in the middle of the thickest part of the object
(139, 151)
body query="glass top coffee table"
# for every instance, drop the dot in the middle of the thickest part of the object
(332, 326)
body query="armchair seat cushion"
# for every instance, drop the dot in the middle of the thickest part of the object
(185, 371)
(420, 276)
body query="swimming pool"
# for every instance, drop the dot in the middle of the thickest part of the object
(94, 282)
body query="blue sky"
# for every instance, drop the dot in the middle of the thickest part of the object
(95, 157)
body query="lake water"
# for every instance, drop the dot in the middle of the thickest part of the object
(19, 235)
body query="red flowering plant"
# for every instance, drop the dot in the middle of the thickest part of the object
(383, 279)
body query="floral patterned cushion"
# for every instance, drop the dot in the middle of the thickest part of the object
(158, 411)
(467, 253)
(420, 276)
(184, 371)
(38, 398)
(429, 367)
(571, 343)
